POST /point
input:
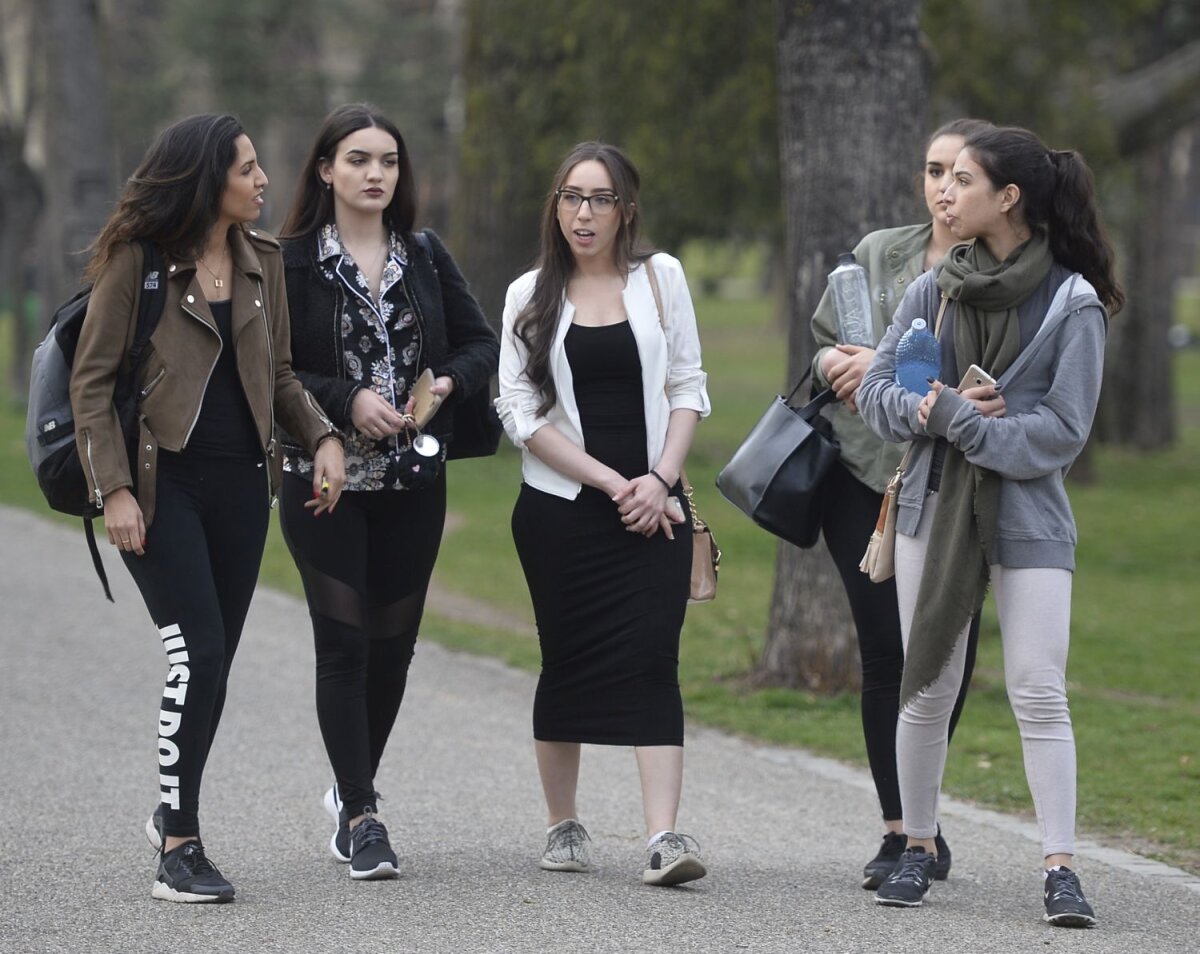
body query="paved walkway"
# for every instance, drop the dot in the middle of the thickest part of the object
(79, 688)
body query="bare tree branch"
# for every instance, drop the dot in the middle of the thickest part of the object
(1151, 104)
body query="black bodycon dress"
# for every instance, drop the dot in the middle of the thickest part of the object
(609, 603)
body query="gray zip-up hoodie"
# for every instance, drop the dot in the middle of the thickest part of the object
(1050, 393)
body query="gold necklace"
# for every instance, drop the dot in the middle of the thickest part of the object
(217, 282)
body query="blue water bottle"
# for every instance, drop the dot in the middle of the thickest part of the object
(918, 358)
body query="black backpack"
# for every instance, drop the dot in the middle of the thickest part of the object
(50, 423)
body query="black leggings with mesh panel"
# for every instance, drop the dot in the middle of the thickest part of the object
(366, 569)
(850, 514)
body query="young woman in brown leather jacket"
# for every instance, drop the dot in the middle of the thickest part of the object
(189, 514)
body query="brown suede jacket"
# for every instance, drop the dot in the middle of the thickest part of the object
(176, 366)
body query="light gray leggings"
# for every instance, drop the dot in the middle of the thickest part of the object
(1034, 608)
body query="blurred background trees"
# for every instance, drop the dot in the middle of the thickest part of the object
(786, 127)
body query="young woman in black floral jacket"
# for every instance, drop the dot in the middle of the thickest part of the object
(372, 307)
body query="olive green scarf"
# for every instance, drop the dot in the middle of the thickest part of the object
(986, 332)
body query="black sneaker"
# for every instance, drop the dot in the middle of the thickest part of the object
(878, 868)
(185, 874)
(154, 825)
(909, 882)
(941, 869)
(371, 855)
(1065, 903)
(339, 842)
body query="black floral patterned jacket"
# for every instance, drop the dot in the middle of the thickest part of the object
(337, 341)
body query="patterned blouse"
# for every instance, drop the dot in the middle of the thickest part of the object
(381, 345)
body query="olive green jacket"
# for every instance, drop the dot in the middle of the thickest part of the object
(892, 259)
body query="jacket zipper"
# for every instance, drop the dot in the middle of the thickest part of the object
(271, 359)
(208, 377)
(95, 483)
(145, 392)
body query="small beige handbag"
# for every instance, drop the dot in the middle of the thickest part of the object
(706, 555)
(879, 562)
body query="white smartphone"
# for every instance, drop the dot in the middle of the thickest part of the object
(974, 378)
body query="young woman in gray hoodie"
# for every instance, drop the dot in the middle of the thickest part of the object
(982, 501)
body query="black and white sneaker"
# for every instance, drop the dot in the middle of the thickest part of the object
(339, 842)
(909, 882)
(154, 827)
(1065, 904)
(371, 855)
(185, 874)
(876, 870)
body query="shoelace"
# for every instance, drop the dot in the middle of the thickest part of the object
(911, 867)
(367, 832)
(194, 858)
(571, 838)
(1063, 886)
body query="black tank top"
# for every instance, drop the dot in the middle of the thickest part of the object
(225, 427)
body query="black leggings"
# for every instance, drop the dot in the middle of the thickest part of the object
(197, 576)
(850, 515)
(366, 569)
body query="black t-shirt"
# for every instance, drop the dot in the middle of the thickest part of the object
(225, 427)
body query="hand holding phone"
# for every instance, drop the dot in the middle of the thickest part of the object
(975, 377)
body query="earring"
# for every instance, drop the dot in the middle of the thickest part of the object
(328, 186)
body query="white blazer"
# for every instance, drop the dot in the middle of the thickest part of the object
(671, 373)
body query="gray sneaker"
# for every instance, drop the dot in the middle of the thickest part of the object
(673, 859)
(568, 848)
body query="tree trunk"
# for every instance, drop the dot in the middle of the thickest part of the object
(497, 204)
(1138, 407)
(851, 90)
(78, 144)
(20, 190)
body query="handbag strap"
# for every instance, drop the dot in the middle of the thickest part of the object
(937, 324)
(698, 524)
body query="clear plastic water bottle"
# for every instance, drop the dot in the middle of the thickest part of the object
(852, 301)
(918, 358)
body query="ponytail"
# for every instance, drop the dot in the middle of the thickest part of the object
(1058, 197)
(1077, 236)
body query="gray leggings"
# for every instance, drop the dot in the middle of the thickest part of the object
(1034, 608)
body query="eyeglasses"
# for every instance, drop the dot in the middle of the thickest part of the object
(602, 203)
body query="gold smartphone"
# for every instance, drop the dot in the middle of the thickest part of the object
(425, 402)
(974, 378)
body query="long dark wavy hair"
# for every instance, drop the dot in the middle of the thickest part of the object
(536, 323)
(174, 196)
(312, 203)
(1058, 199)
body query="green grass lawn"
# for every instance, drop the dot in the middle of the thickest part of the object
(1135, 663)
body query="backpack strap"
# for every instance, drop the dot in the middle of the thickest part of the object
(151, 298)
(422, 239)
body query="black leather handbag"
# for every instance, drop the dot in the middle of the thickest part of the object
(777, 477)
(477, 427)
